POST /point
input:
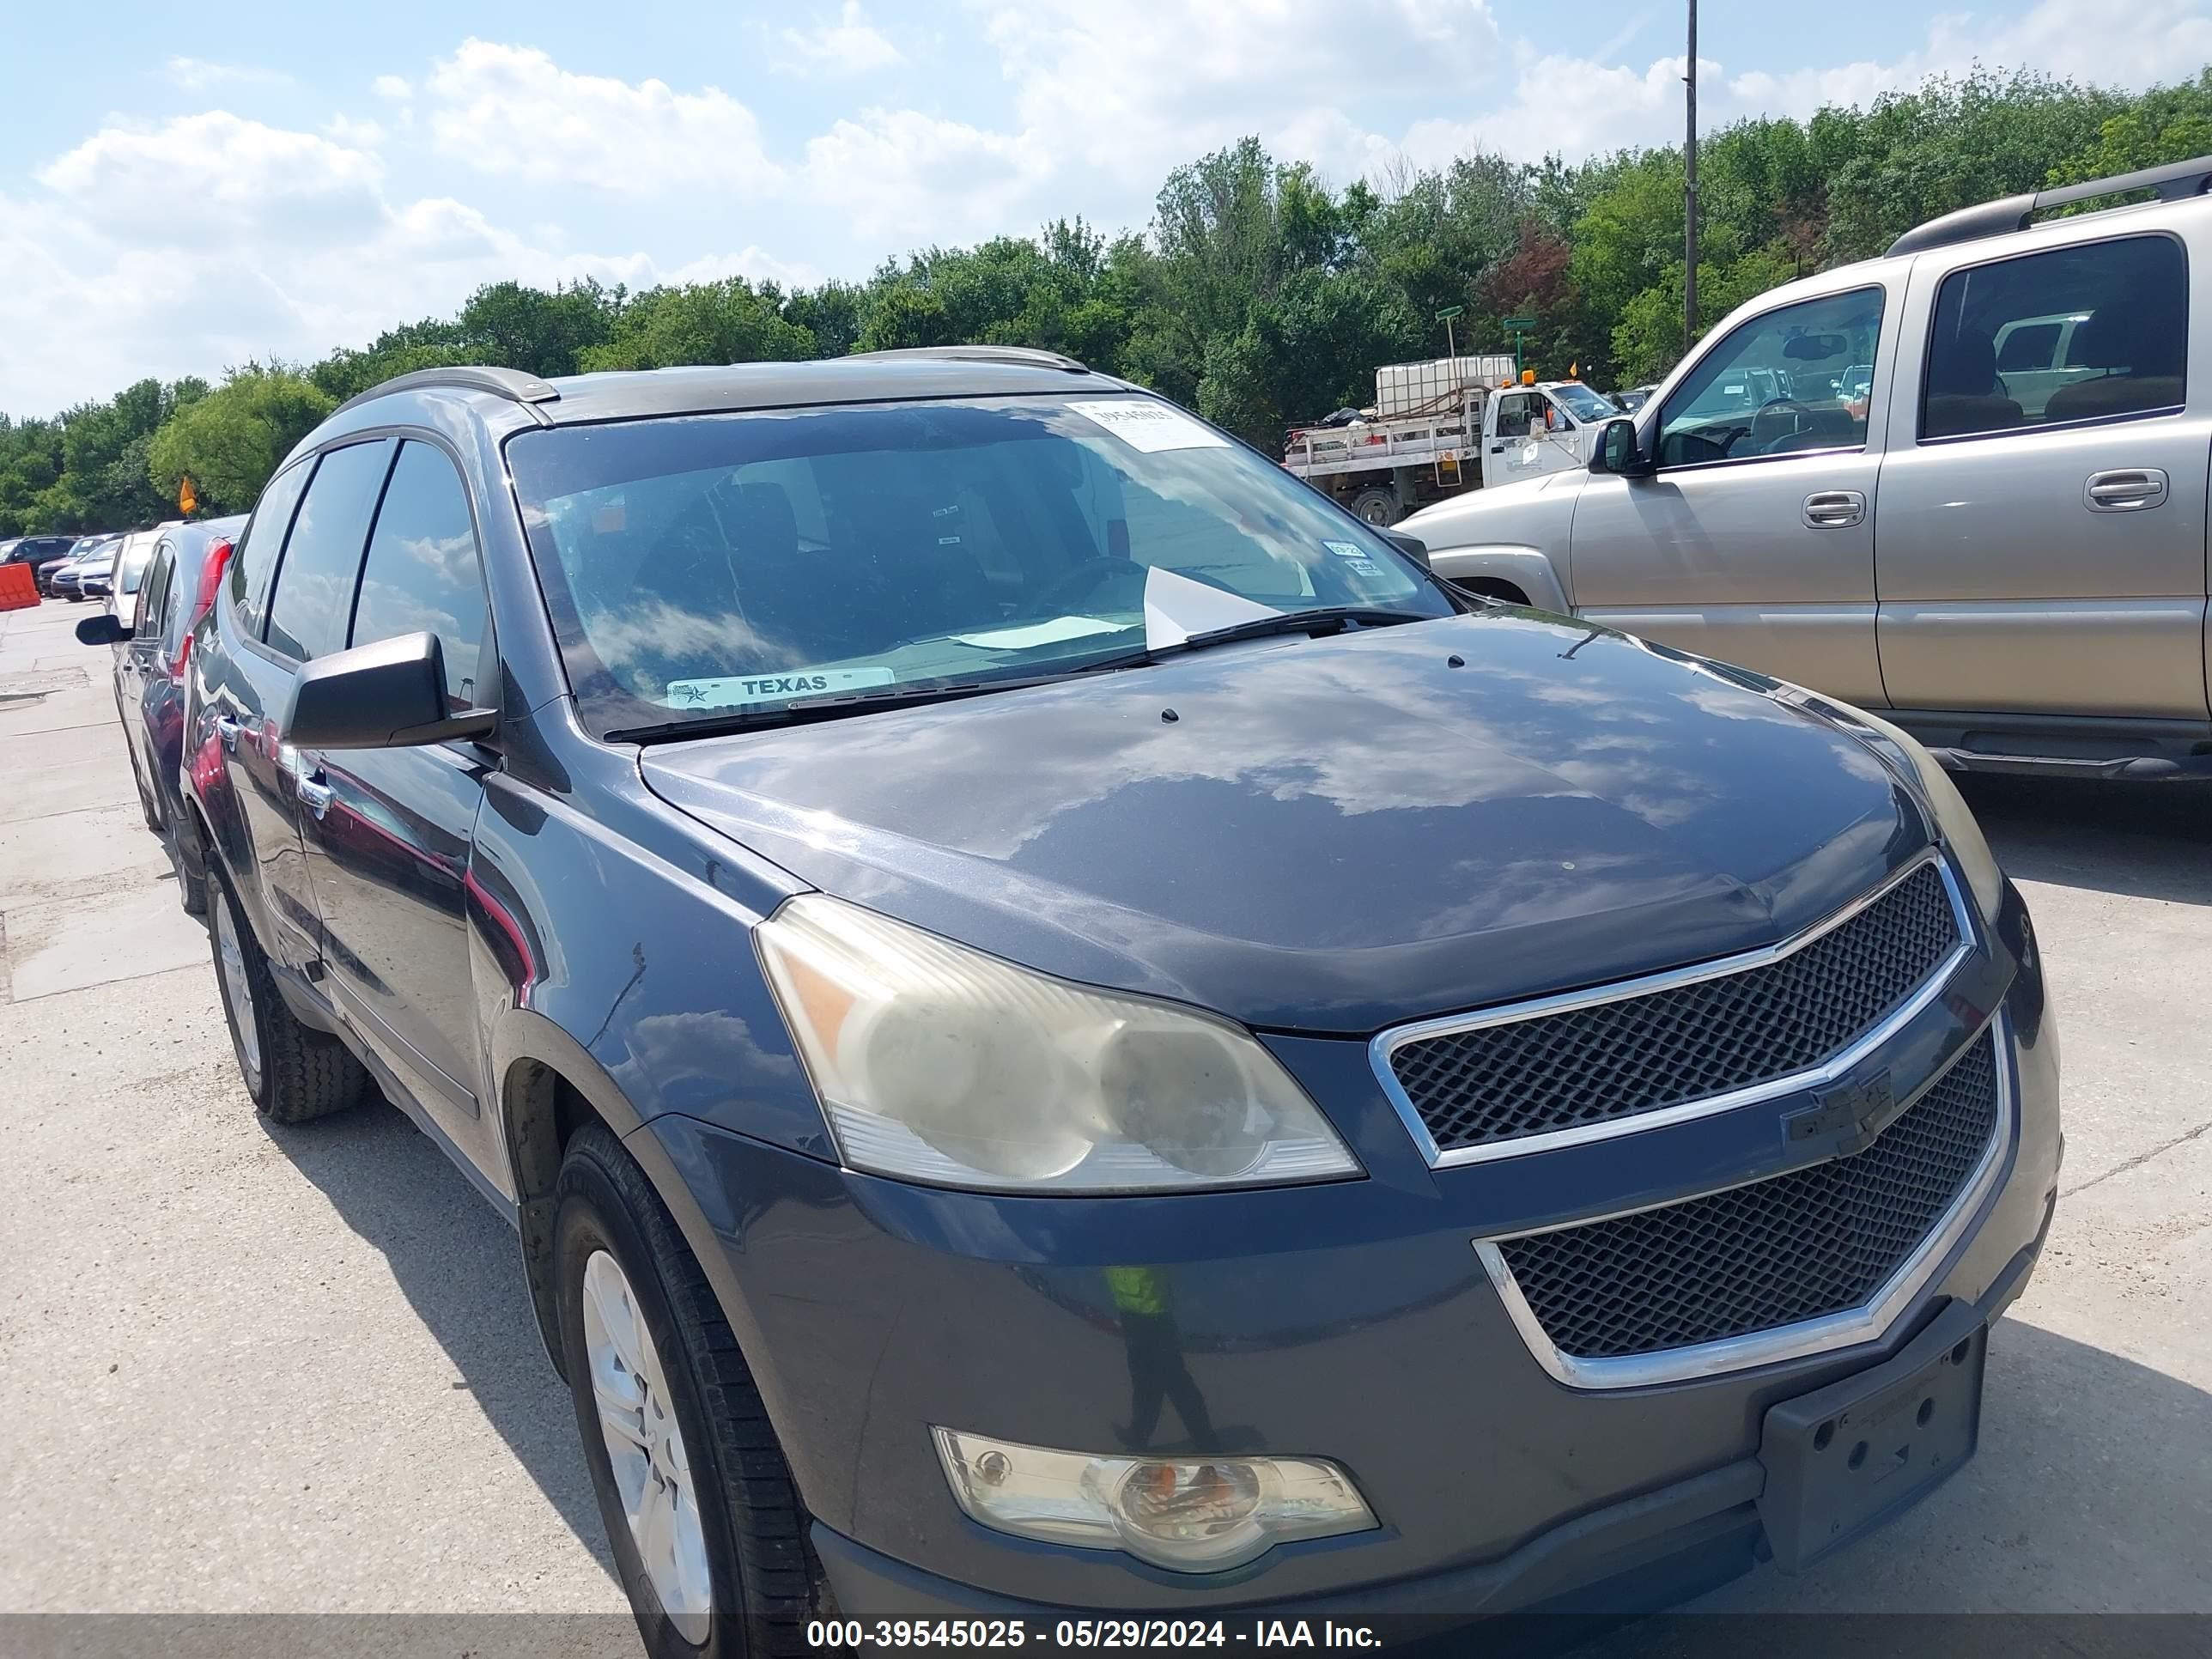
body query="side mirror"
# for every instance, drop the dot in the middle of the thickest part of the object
(1615, 451)
(106, 629)
(391, 694)
(1412, 546)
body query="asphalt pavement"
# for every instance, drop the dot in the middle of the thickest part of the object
(245, 1368)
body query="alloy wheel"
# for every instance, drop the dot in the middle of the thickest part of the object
(652, 1470)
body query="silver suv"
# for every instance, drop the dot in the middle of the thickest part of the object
(1965, 484)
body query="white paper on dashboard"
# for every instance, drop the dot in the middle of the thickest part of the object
(1036, 633)
(738, 691)
(1176, 607)
(1148, 424)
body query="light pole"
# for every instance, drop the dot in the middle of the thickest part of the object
(1690, 195)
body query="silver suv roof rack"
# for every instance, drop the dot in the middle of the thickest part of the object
(2173, 182)
(514, 384)
(1031, 355)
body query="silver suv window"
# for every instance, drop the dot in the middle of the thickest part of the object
(2091, 332)
(1781, 384)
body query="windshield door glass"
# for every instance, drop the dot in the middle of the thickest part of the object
(707, 565)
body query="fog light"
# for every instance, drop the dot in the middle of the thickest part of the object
(1192, 1515)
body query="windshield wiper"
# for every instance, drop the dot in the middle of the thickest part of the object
(1326, 619)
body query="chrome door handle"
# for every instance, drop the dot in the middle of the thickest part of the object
(2124, 491)
(315, 793)
(1835, 509)
(227, 729)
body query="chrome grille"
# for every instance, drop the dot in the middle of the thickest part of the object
(1817, 1241)
(1504, 1079)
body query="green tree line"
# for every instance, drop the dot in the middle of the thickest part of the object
(1259, 295)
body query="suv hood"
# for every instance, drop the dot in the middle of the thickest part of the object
(1337, 834)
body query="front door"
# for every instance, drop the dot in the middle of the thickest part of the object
(1517, 439)
(2041, 548)
(388, 831)
(1754, 541)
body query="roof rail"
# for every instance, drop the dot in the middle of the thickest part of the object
(985, 354)
(2174, 182)
(515, 384)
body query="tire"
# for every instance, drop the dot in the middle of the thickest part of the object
(747, 1528)
(293, 1074)
(1378, 506)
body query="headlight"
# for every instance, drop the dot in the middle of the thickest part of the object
(1189, 1515)
(1954, 819)
(939, 1063)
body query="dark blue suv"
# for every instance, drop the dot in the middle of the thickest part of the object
(1061, 1026)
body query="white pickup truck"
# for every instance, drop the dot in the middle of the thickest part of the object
(1384, 466)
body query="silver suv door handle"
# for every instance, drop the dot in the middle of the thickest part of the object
(1834, 509)
(227, 729)
(2124, 491)
(315, 793)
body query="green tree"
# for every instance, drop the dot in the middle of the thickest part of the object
(725, 322)
(231, 440)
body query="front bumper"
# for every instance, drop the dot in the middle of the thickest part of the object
(1352, 1322)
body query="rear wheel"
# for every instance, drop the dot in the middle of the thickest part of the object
(705, 1525)
(293, 1074)
(1378, 506)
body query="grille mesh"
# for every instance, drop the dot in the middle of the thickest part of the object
(1816, 1241)
(1638, 1054)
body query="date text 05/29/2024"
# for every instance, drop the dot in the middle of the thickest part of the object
(1071, 1633)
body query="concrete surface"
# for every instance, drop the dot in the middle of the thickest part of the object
(247, 1369)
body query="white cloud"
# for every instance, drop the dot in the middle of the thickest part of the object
(198, 74)
(1132, 90)
(195, 244)
(394, 86)
(512, 111)
(901, 174)
(216, 172)
(851, 45)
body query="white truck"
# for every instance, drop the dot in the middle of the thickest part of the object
(1440, 428)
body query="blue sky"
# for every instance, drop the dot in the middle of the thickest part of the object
(275, 180)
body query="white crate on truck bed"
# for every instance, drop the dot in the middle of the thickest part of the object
(1403, 389)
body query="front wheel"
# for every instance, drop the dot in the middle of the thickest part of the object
(706, 1528)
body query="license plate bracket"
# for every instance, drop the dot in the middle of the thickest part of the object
(1843, 1459)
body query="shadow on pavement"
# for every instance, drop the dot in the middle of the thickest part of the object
(455, 1261)
(2147, 840)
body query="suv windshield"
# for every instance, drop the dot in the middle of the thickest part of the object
(706, 566)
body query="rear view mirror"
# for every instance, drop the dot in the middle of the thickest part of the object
(1815, 347)
(1412, 546)
(106, 629)
(1616, 452)
(391, 694)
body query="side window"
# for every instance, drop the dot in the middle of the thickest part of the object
(313, 600)
(2128, 304)
(152, 594)
(255, 561)
(1778, 385)
(424, 573)
(1517, 412)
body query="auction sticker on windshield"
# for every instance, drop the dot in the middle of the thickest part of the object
(739, 692)
(1146, 423)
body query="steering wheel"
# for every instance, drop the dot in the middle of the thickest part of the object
(1068, 594)
(1802, 412)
